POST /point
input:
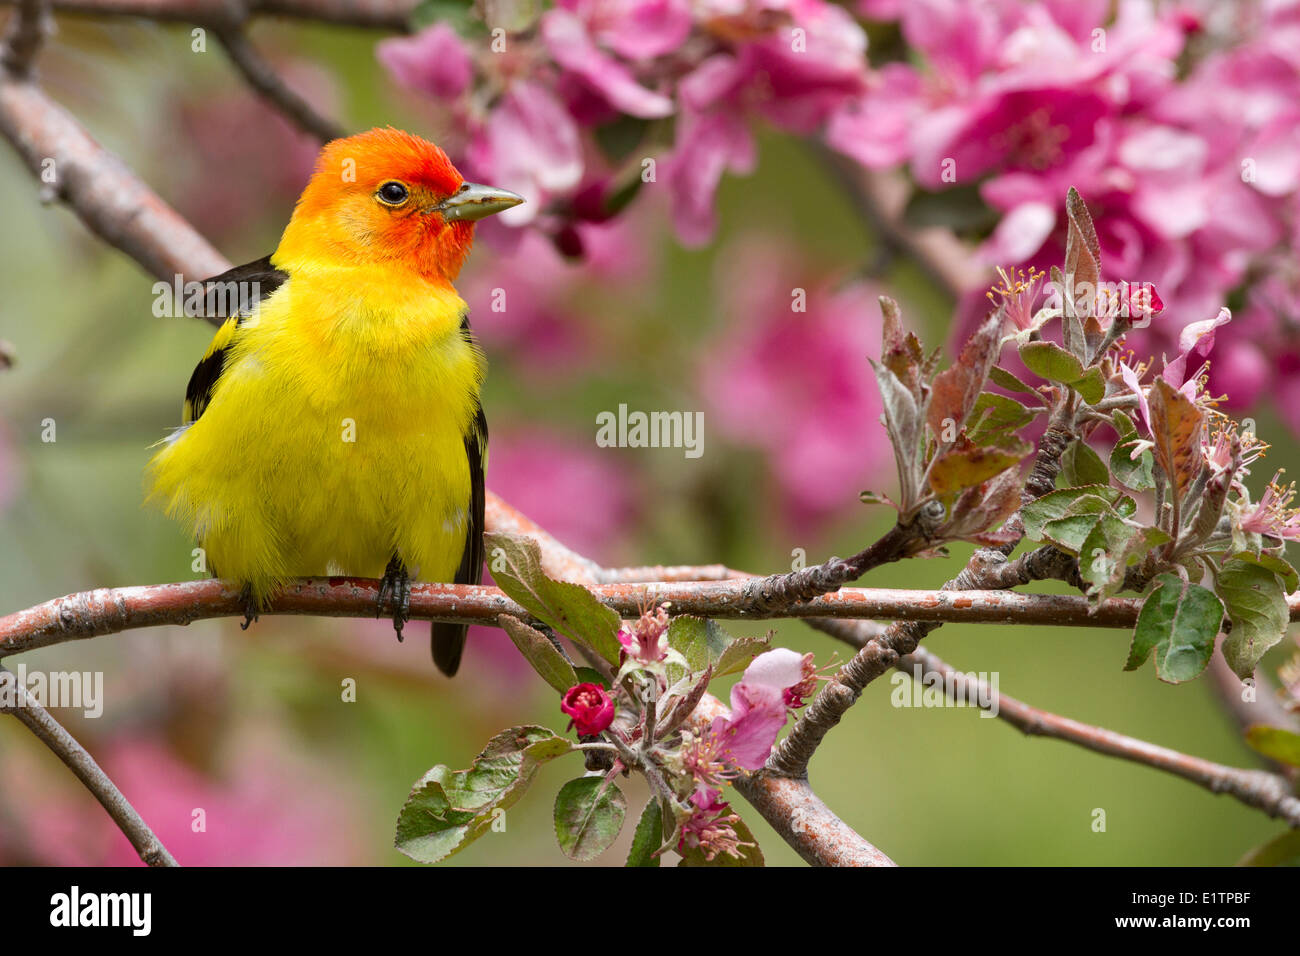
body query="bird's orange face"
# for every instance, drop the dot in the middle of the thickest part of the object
(387, 196)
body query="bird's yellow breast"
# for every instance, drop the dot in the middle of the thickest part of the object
(335, 435)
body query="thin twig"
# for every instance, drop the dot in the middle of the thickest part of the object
(1257, 788)
(38, 720)
(880, 199)
(984, 570)
(96, 185)
(27, 30)
(272, 88)
(375, 14)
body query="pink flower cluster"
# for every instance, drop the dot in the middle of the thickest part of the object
(774, 684)
(527, 104)
(1179, 123)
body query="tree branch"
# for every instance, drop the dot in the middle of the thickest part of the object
(38, 720)
(272, 88)
(28, 28)
(880, 652)
(374, 14)
(1257, 788)
(880, 198)
(111, 610)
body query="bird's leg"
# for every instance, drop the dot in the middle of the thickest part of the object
(397, 583)
(250, 606)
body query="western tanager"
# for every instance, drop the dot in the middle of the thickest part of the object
(334, 427)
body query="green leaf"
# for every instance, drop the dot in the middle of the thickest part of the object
(649, 836)
(589, 675)
(619, 137)
(1275, 563)
(1000, 376)
(996, 418)
(1110, 548)
(457, 14)
(570, 609)
(1080, 465)
(589, 814)
(1282, 850)
(1070, 533)
(701, 641)
(1138, 475)
(967, 465)
(1256, 604)
(1276, 743)
(739, 653)
(1178, 621)
(449, 809)
(1057, 504)
(1057, 365)
(749, 855)
(540, 652)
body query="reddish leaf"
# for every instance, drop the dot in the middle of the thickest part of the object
(956, 389)
(1176, 425)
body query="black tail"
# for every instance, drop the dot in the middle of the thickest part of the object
(448, 645)
(449, 639)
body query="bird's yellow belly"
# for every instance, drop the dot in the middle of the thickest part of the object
(289, 472)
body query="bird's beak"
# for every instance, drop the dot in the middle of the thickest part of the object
(473, 201)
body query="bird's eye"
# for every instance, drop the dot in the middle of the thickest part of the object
(392, 193)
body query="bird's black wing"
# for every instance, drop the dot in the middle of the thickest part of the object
(449, 639)
(230, 296)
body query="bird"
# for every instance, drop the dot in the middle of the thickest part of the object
(334, 426)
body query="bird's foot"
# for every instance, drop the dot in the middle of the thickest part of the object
(250, 606)
(396, 584)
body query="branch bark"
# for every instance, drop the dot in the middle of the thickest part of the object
(1257, 788)
(111, 610)
(262, 77)
(374, 14)
(65, 747)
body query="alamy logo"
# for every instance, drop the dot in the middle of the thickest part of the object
(81, 689)
(74, 908)
(933, 689)
(651, 430)
(179, 298)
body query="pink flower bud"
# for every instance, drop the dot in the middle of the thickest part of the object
(591, 709)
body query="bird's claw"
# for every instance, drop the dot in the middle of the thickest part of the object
(250, 607)
(396, 584)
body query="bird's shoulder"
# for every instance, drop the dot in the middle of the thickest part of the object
(234, 296)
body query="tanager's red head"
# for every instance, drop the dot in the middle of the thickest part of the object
(387, 196)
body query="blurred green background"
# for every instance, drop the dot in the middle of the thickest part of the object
(251, 725)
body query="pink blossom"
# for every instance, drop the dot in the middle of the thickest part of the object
(646, 639)
(1274, 516)
(758, 709)
(636, 29)
(433, 61)
(711, 827)
(530, 143)
(1194, 344)
(247, 818)
(567, 39)
(795, 383)
(708, 146)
